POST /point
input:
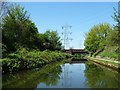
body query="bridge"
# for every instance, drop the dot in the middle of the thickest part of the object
(74, 51)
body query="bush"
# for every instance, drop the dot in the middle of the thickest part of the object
(111, 55)
(24, 59)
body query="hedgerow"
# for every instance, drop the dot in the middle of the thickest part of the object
(24, 59)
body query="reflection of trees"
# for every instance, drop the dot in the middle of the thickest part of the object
(97, 77)
(30, 79)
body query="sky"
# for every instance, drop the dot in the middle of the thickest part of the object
(80, 15)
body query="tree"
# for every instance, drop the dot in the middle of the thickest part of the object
(40, 41)
(53, 40)
(48, 40)
(95, 39)
(3, 11)
(3, 8)
(18, 30)
(115, 34)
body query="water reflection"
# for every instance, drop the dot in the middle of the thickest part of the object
(48, 75)
(59, 75)
(101, 77)
(72, 76)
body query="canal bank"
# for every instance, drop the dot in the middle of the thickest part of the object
(109, 63)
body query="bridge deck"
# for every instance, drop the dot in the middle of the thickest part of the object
(72, 51)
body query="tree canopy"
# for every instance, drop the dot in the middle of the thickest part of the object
(95, 39)
(104, 40)
(18, 31)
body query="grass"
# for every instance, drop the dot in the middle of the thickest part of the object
(110, 53)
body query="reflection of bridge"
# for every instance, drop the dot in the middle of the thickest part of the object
(73, 51)
(76, 61)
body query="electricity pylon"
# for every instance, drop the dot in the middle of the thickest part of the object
(66, 37)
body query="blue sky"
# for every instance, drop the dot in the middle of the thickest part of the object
(80, 15)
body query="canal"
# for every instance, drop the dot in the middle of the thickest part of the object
(64, 75)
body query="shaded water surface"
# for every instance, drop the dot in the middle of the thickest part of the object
(59, 75)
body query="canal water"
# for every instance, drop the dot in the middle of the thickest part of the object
(64, 75)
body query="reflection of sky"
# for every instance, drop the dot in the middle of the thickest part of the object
(68, 75)
(72, 76)
(78, 76)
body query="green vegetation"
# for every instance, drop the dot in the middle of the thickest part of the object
(100, 77)
(23, 33)
(48, 74)
(23, 47)
(103, 40)
(96, 38)
(24, 59)
(110, 53)
(109, 63)
(78, 56)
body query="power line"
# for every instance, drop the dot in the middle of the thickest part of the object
(66, 34)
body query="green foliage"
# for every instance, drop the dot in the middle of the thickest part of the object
(21, 42)
(95, 40)
(80, 56)
(39, 41)
(24, 59)
(53, 40)
(112, 49)
(48, 40)
(100, 77)
(18, 30)
(103, 41)
(110, 52)
(48, 74)
(3, 10)
(115, 35)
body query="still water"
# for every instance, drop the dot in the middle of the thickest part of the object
(64, 75)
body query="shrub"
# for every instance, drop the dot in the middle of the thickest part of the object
(24, 59)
